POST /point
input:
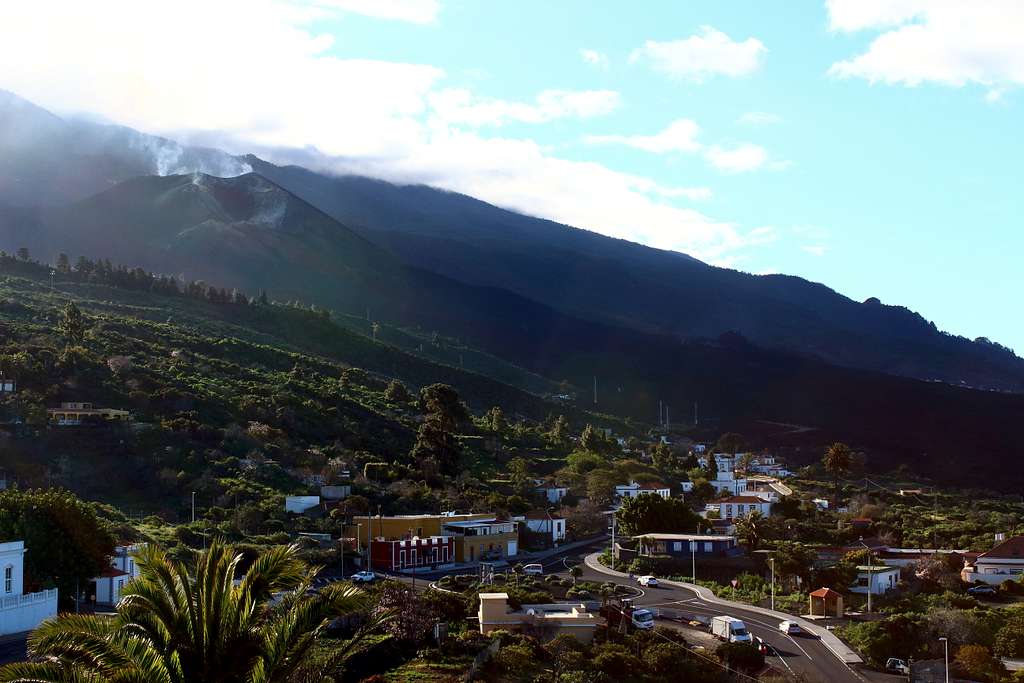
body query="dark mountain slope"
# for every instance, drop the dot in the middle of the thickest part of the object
(45, 160)
(248, 232)
(601, 278)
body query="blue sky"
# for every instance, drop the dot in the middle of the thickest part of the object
(873, 146)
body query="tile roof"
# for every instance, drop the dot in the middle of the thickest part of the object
(741, 499)
(824, 593)
(1010, 549)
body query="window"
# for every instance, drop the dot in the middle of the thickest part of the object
(862, 581)
(677, 546)
(9, 579)
(693, 546)
(709, 546)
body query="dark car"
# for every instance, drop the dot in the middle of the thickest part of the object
(982, 590)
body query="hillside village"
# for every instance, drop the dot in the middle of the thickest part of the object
(507, 526)
(496, 534)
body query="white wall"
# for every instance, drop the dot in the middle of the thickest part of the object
(25, 612)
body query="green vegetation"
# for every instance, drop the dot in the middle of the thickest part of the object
(177, 624)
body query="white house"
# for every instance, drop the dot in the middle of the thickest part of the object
(686, 486)
(553, 493)
(633, 489)
(1005, 561)
(20, 611)
(106, 588)
(734, 507)
(879, 578)
(542, 523)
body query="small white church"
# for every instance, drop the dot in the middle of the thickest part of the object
(20, 611)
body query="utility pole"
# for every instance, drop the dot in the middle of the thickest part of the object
(595, 390)
(771, 560)
(193, 507)
(693, 561)
(659, 413)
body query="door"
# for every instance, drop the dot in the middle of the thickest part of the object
(513, 547)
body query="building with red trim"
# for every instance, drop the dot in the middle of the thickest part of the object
(398, 554)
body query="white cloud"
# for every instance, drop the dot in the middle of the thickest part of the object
(456, 105)
(759, 118)
(745, 157)
(679, 136)
(413, 11)
(706, 54)
(595, 58)
(814, 249)
(948, 42)
(293, 98)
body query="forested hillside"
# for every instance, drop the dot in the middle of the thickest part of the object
(214, 380)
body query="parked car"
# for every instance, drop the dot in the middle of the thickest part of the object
(533, 569)
(790, 628)
(982, 590)
(897, 666)
(365, 576)
(649, 581)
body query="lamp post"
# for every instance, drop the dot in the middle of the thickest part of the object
(945, 650)
(771, 561)
(693, 561)
(193, 507)
(871, 577)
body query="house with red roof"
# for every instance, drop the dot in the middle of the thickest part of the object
(1004, 561)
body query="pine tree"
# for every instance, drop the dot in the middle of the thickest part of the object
(72, 324)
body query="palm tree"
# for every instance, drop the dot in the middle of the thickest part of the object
(837, 461)
(748, 530)
(575, 572)
(175, 625)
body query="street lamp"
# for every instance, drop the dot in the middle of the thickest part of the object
(871, 577)
(693, 560)
(771, 561)
(193, 507)
(945, 649)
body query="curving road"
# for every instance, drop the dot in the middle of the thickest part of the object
(803, 657)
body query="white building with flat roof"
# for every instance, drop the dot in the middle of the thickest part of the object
(21, 611)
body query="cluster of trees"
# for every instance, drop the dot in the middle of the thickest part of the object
(642, 656)
(977, 636)
(102, 271)
(68, 543)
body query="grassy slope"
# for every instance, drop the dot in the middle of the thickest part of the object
(234, 364)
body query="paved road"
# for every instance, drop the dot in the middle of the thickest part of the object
(12, 648)
(804, 657)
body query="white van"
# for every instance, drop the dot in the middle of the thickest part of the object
(730, 629)
(533, 569)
